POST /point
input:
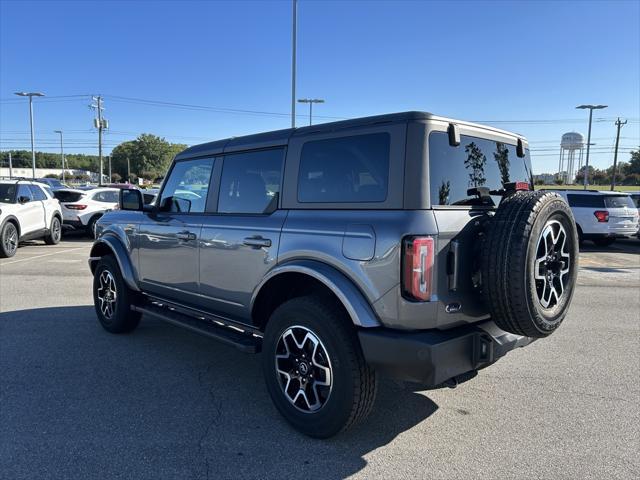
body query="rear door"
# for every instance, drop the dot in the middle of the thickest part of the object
(30, 211)
(239, 244)
(483, 159)
(41, 197)
(584, 207)
(168, 235)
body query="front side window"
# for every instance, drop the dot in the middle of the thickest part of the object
(24, 191)
(8, 192)
(476, 162)
(345, 170)
(37, 193)
(187, 187)
(250, 181)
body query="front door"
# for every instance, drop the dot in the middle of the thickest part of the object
(30, 211)
(239, 244)
(168, 236)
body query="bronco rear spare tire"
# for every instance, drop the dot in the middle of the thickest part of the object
(529, 263)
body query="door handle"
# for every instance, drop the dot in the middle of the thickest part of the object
(256, 242)
(186, 236)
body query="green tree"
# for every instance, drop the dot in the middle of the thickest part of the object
(149, 156)
(634, 163)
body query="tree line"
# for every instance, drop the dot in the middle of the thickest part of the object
(627, 173)
(148, 157)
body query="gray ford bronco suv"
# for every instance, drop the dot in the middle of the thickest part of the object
(407, 245)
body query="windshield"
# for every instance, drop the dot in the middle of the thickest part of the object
(621, 201)
(7, 192)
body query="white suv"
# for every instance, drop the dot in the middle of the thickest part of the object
(602, 216)
(27, 211)
(81, 209)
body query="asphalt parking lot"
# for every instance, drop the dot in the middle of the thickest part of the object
(79, 403)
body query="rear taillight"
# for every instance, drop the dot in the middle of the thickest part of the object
(73, 206)
(602, 215)
(523, 186)
(417, 267)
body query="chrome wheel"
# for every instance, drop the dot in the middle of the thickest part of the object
(552, 264)
(107, 294)
(10, 240)
(303, 368)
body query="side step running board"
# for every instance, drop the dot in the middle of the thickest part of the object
(242, 341)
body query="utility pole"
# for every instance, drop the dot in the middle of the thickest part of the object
(586, 164)
(100, 124)
(618, 124)
(109, 157)
(61, 152)
(10, 166)
(294, 35)
(310, 101)
(33, 152)
(128, 171)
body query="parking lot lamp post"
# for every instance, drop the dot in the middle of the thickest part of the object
(61, 152)
(310, 101)
(586, 163)
(33, 152)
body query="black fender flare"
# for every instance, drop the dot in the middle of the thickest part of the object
(15, 220)
(113, 245)
(353, 300)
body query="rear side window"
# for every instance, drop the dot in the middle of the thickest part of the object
(187, 187)
(476, 162)
(585, 201)
(345, 170)
(25, 191)
(37, 193)
(614, 201)
(250, 181)
(67, 197)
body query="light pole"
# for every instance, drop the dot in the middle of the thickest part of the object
(33, 152)
(294, 35)
(61, 152)
(310, 101)
(586, 164)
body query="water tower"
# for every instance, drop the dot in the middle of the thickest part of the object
(571, 149)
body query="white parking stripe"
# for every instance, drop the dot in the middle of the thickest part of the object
(40, 256)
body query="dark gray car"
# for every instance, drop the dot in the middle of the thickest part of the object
(407, 244)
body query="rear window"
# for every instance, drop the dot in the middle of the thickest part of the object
(636, 200)
(476, 162)
(67, 197)
(615, 201)
(585, 201)
(351, 169)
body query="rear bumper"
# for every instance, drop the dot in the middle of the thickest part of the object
(73, 225)
(434, 357)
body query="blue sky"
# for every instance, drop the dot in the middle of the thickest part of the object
(522, 66)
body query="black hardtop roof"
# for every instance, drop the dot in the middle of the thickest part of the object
(281, 137)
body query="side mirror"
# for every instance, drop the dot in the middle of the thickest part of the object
(23, 199)
(131, 200)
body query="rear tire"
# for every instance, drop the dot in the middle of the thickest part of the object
(530, 263)
(9, 240)
(603, 242)
(333, 356)
(55, 232)
(112, 298)
(91, 227)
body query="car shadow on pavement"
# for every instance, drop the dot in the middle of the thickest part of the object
(160, 402)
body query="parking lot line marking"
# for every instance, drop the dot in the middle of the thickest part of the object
(39, 256)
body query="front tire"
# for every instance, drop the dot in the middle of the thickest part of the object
(8, 240)
(55, 232)
(314, 369)
(112, 298)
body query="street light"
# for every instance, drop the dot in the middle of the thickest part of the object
(61, 152)
(33, 152)
(310, 101)
(591, 109)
